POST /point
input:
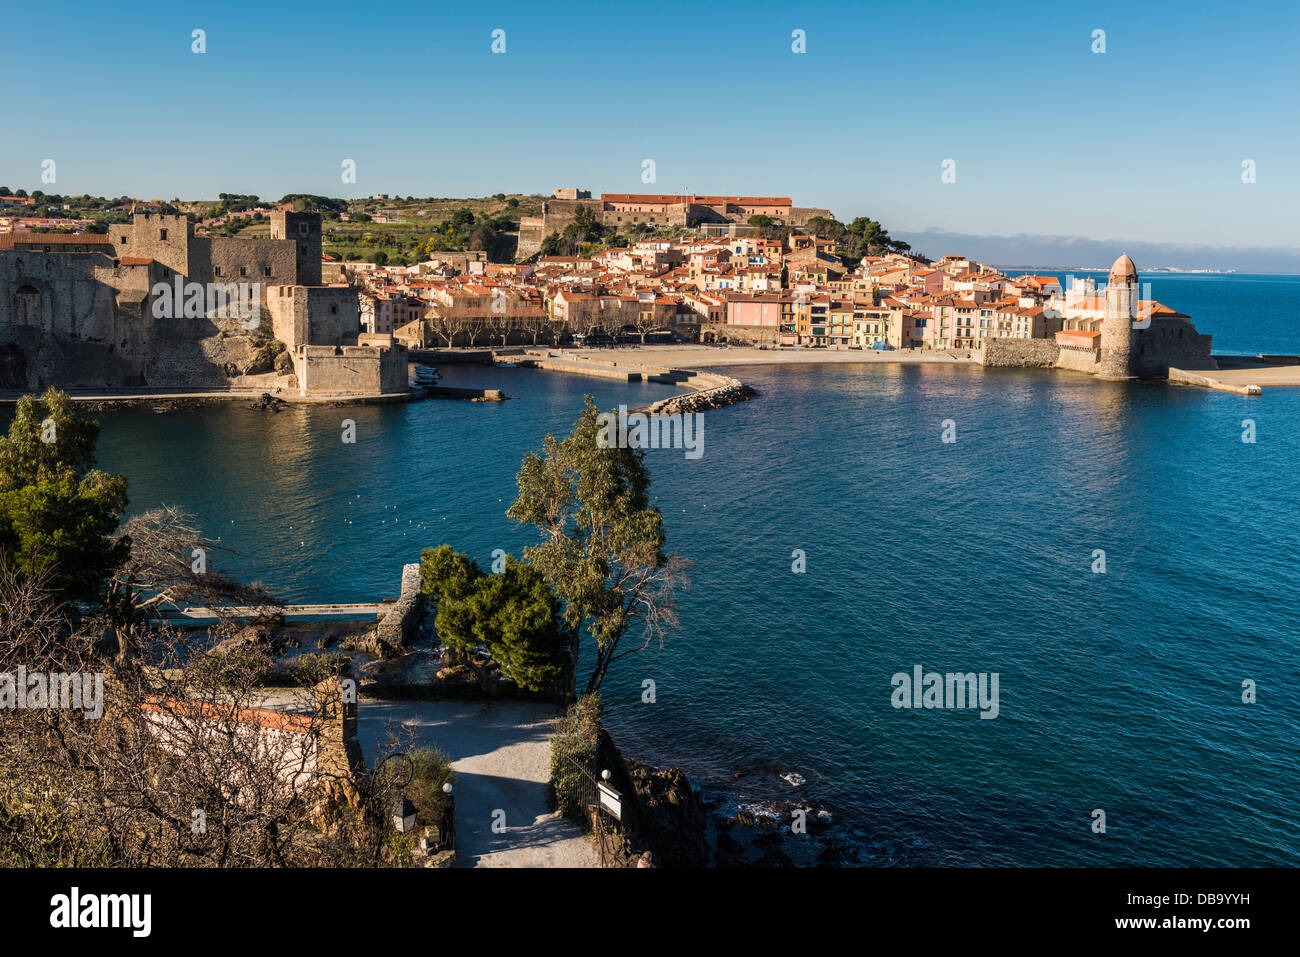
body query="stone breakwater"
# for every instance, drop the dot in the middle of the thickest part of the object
(729, 392)
(708, 390)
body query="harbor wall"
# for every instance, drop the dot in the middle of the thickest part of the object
(1019, 353)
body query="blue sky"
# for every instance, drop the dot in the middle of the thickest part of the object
(1142, 143)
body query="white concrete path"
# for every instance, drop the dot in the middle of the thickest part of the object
(501, 753)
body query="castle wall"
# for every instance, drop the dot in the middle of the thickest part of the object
(799, 215)
(79, 321)
(1079, 360)
(351, 370)
(288, 309)
(1170, 342)
(333, 315)
(265, 261)
(60, 325)
(531, 234)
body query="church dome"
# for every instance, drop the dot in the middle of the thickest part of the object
(1123, 270)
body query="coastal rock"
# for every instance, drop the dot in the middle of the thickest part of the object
(748, 838)
(730, 393)
(251, 639)
(268, 402)
(372, 644)
(672, 822)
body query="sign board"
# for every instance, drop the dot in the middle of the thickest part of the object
(611, 801)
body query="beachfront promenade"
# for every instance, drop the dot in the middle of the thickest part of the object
(1243, 375)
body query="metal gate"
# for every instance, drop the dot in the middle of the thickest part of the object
(606, 828)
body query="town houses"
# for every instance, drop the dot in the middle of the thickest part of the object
(793, 291)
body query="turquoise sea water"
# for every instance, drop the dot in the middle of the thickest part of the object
(1118, 691)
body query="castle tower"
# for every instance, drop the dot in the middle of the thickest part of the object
(305, 230)
(156, 236)
(1117, 325)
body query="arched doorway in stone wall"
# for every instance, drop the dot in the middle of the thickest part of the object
(27, 309)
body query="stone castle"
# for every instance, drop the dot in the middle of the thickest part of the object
(79, 311)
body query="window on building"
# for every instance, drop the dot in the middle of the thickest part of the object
(216, 270)
(162, 235)
(243, 270)
(302, 229)
(266, 271)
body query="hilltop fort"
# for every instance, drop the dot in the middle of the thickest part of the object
(620, 211)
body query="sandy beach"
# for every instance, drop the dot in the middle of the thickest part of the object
(699, 357)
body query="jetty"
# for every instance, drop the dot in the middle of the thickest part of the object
(705, 390)
(201, 617)
(1244, 375)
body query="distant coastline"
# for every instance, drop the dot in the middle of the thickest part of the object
(1166, 270)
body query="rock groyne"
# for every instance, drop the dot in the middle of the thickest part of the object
(728, 392)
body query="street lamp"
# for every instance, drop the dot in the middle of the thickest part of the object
(403, 815)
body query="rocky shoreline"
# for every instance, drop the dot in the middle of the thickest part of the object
(682, 826)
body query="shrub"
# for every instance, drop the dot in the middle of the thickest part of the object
(233, 669)
(313, 668)
(575, 742)
(432, 771)
(429, 770)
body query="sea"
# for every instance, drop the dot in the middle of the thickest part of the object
(1124, 557)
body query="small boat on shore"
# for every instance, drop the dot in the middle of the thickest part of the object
(502, 364)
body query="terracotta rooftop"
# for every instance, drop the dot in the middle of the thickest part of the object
(8, 240)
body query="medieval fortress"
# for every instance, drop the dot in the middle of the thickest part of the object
(83, 310)
(621, 211)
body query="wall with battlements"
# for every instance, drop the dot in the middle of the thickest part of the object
(78, 311)
(351, 370)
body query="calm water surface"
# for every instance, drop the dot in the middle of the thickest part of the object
(1119, 691)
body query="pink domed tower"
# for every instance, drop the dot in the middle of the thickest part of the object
(1117, 325)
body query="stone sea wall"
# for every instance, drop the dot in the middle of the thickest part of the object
(1079, 360)
(397, 628)
(1019, 353)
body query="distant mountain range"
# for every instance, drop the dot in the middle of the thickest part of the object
(1075, 252)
